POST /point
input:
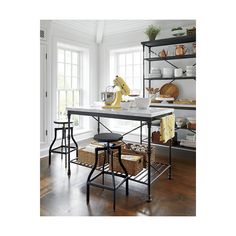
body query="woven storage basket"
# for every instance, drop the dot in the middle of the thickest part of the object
(139, 149)
(133, 164)
(87, 156)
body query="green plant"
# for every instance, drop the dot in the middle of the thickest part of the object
(178, 28)
(152, 31)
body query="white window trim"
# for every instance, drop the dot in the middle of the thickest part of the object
(113, 54)
(84, 82)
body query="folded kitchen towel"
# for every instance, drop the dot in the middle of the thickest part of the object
(167, 128)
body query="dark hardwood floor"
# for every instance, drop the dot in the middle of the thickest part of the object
(63, 196)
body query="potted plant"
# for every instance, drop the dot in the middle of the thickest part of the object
(178, 31)
(152, 31)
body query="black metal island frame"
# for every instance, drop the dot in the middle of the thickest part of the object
(153, 170)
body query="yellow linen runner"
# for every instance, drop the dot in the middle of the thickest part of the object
(167, 128)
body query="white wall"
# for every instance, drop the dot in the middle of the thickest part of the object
(59, 33)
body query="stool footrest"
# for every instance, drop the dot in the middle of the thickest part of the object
(63, 149)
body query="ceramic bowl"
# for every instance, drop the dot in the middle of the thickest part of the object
(142, 103)
(125, 105)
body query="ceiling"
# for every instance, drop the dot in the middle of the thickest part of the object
(102, 28)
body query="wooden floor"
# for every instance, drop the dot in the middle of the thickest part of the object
(63, 196)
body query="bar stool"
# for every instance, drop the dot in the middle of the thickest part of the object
(63, 148)
(108, 138)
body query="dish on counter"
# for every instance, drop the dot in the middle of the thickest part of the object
(185, 101)
(125, 105)
(142, 103)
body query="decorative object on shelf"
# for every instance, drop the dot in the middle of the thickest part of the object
(180, 50)
(190, 71)
(178, 72)
(191, 32)
(162, 99)
(152, 31)
(170, 89)
(180, 121)
(167, 72)
(194, 48)
(178, 31)
(152, 92)
(163, 53)
(155, 72)
(191, 123)
(185, 101)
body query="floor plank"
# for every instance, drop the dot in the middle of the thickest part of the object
(63, 196)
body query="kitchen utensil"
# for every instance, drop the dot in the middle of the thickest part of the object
(125, 105)
(163, 53)
(180, 50)
(112, 99)
(142, 103)
(170, 90)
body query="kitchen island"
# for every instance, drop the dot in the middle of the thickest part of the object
(146, 117)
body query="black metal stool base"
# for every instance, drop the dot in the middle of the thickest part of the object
(63, 148)
(114, 187)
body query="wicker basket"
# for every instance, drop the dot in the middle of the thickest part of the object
(87, 156)
(133, 164)
(138, 149)
(191, 32)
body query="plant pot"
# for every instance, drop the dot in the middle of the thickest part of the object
(152, 37)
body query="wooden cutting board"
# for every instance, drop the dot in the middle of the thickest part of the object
(170, 89)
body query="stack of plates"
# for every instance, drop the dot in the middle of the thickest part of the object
(167, 72)
(190, 71)
(155, 73)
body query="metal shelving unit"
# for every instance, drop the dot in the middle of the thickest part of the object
(165, 42)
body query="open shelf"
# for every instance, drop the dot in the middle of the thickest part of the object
(169, 41)
(171, 78)
(170, 58)
(157, 169)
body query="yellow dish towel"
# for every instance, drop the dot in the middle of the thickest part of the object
(167, 128)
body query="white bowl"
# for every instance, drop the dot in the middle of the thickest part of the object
(142, 103)
(125, 105)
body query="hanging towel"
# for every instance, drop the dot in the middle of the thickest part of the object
(167, 128)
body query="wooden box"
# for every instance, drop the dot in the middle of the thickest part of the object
(133, 164)
(191, 126)
(87, 155)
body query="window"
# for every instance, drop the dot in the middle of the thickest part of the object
(68, 81)
(129, 67)
(127, 63)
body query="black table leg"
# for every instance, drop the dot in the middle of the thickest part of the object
(69, 115)
(149, 162)
(98, 129)
(141, 132)
(169, 172)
